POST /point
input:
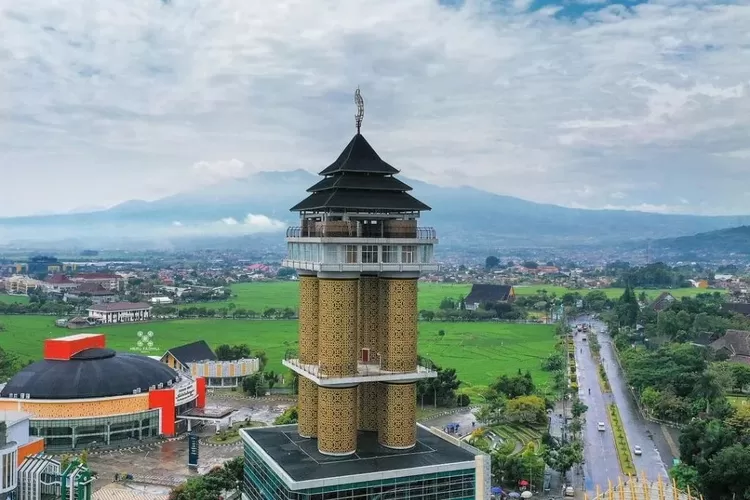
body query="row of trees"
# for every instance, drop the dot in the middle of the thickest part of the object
(223, 312)
(677, 380)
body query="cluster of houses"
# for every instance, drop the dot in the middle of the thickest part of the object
(735, 344)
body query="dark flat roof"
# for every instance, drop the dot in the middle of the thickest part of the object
(299, 457)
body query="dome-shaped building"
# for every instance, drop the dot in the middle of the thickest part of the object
(83, 393)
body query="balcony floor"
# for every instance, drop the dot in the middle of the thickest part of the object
(366, 372)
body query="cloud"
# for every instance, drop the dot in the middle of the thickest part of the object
(645, 100)
(218, 171)
(253, 223)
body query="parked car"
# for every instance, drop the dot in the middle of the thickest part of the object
(568, 491)
(601, 427)
(637, 450)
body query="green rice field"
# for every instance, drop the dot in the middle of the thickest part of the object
(280, 294)
(480, 352)
(12, 299)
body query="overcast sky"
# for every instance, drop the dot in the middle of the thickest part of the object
(644, 106)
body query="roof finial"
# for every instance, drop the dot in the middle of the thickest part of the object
(360, 108)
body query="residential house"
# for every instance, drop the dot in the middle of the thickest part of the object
(488, 294)
(736, 343)
(662, 302)
(95, 292)
(120, 312)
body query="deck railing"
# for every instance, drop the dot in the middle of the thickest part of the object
(420, 233)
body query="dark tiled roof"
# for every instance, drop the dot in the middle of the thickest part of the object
(737, 307)
(57, 279)
(358, 181)
(120, 306)
(664, 300)
(98, 276)
(190, 353)
(481, 293)
(358, 156)
(93, 289)
(737, 342)
(360, 199)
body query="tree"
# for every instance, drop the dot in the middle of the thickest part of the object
(685, 476)
(253, 385)
(579, 408)
(289, 416)
(513, 387)
(728, 474)
(526, 410)
(491, 262)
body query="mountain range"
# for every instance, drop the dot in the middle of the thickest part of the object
(727, 243)
(256, 208)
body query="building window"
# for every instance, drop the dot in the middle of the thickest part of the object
(369, 254)
(332, 254)
(351, 254)
(408, 254)
(390, 254)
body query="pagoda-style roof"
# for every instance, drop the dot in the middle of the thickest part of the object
(359, 157)
(360, 181)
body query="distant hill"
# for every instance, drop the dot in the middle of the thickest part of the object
(464, 217)
(724, 242)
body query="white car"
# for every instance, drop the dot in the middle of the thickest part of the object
(601, 427)
(637, 450)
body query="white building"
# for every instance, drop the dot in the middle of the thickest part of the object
(120, 312)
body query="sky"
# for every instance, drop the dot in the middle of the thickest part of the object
(580, 103)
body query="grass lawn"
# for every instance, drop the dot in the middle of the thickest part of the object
(281, 294)
(12, 299)
(480, 352)
(738, 401)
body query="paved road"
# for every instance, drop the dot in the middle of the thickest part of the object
(601, 459)
(600, 454)
(640, 432)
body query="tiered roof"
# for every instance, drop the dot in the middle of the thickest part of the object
(360, 180)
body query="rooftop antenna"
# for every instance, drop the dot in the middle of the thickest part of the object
(360, 108)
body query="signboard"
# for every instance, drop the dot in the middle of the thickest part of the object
(184, 394)
(193, 446)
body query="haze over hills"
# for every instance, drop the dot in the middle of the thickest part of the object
(721, 243)
(256, 208)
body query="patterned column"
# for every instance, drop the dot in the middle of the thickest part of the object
(308, 319)
(398, 315)
(337, 333)
(397, 427)
(368, 406)
(368, 312)
(307, 408)
(337, 420)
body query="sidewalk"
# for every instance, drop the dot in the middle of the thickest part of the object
(557, 422)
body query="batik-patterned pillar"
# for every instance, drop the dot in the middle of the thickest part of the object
(337, 325)
(337, 420)
(398, 323)
(308, 318)
(397, 422)
(369, 295)
(368, 406)
(307, 408)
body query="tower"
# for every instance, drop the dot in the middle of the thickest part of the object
(358, 252)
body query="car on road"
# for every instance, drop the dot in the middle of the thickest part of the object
(601, 427)
(568, 491)
(583, 338)
(637, 450)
